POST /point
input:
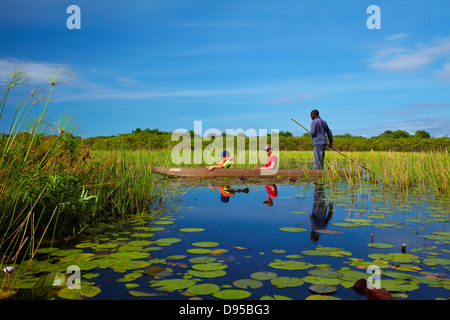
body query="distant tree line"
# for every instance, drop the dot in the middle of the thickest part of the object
(397, 140)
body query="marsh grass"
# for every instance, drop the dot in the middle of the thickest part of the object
(391, 169)
(50, 186)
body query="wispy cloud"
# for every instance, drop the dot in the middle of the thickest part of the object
(36, 71)
(213, 24)
(404, 59)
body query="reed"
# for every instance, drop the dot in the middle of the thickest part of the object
(51, 183)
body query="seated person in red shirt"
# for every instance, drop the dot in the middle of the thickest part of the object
(271, 161)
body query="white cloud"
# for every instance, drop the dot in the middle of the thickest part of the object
(36, 71)
(443, 74)
(398, 58)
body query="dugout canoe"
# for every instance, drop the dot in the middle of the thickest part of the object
(198, 172)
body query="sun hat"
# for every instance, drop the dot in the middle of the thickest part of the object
(267, 147)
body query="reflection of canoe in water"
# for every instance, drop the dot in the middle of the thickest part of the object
(198, 172)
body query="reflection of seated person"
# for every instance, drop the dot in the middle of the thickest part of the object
(225, 162)
(272, 192)
(225, 192)
(319, 217)
(271, 161)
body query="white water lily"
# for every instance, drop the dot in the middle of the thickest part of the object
(8, 270)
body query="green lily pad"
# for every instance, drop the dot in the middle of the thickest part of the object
(202, 259)
(140, 243)
(199, 250)
(263, 275)
(275, 297)
(167, 241)
(173, 284)
(290, 265)
(136, 293)
(232, 294)
(380, 245)
(205, 244)
(211, 266)
(325, 273)
(292, 229)
(66, 252)
(207, 274)
(129, 255)
(398, 285)
(204, 288)
(176, 257)
(192, 229)
(47, 250)
(322, 297)
(248, 283)
(380, 256)
(286, 282)
(322, 289)
(397, 275)
(344, 224)
(319, 280)
(437, 261)
(77, 294)
(403, 257)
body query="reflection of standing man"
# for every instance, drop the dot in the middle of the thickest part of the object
(319, 132)
(272, 193)
(319, 215)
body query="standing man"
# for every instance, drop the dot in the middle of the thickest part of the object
(319, 132)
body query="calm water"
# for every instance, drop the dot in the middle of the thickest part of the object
(240, 226)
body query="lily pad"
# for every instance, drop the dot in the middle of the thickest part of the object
(325, 273)
(263, 275)
(290, 265)
(199, 250)
(207, 274)
(77, 294)
(136, 293)
(344, 224)
(202, 259)
(248, 283)
(322, 289)
(286, 282)
(322, 297)
(211, 266)
(398, 285)
(204, 288)
(129, 255)
(441, 261)
(192, 229)
(232, 294)
(173, 284)
(205, 244)
(292, 229)
(275, 297)
(167, 241)
(403, 257)
(319, 280)
(379, 245)
(140, 243)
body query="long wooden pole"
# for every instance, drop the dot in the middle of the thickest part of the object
(336, 150)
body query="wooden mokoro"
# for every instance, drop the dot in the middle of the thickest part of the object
(199, 172)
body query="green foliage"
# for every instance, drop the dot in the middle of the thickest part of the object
(399, 140)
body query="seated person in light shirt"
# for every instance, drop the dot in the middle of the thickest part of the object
(224, 163)
(271, 161)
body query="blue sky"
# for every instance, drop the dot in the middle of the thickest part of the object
(235, 64)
